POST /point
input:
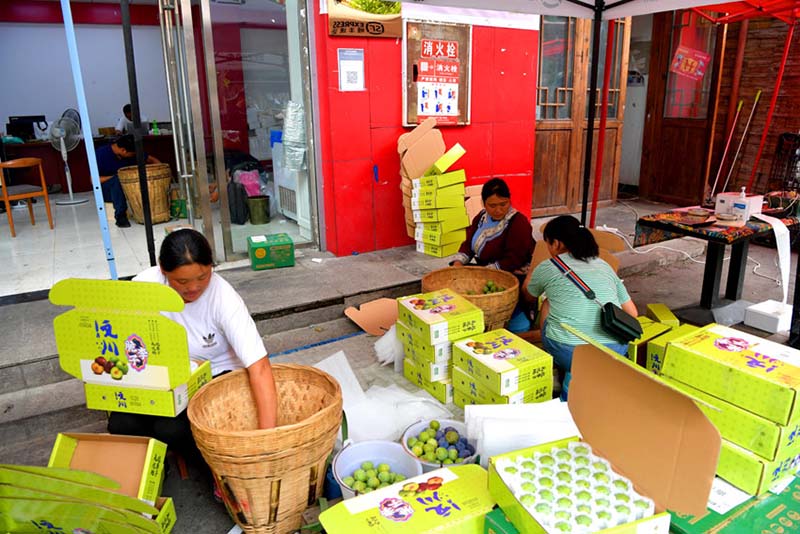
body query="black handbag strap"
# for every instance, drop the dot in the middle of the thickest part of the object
(573, 277)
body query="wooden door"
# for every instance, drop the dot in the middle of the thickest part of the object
(561, 124)
(680, 106)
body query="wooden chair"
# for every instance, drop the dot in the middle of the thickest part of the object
(25, 192)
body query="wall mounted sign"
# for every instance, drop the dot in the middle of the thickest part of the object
(351, 69)
(437, 73)
(364, 18)
(690, 63)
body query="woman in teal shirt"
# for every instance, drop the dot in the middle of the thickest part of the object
(576, 247)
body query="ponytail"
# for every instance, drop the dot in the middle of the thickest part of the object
(578, 240)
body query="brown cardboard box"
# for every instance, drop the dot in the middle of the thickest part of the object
(344, 20)
(408, 139)
(423, 154)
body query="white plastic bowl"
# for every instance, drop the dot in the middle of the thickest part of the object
(353, 455)
(419, 426)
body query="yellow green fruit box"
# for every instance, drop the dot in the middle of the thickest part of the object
(446, 161)
(438, 238)
(270, 251)
(440, 316)
(657, 347)
(432, 372)
(440, 181)
(421, 349)
(752, 473)
(441, 390)
(753, 373)
(467, 390)
(502, 362)
(754, 433)
(662, 314)
(452, 499)
(129, 356)
(439, 251)
(142, 480)
(669, 454)
(444, 227)
(443, 214)
(456, 190)
(427, 203)
(637, 349)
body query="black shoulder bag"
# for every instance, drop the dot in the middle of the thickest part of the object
(615, 321)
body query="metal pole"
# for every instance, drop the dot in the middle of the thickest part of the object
(587, 162)
(141, 163)
(86, 128)
(787, 45)
(601, 141)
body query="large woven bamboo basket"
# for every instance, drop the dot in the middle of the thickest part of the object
(159, 177)
(268, 477)
(468, 281)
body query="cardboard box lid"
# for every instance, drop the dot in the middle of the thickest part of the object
(652, 434)
(408, 139)
(423, 154)
(116, 295)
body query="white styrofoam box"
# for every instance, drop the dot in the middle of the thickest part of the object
(770, 316)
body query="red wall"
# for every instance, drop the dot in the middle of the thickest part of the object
(360, 165)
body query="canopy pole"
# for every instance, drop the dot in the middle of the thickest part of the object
(144, 190)
(587, 161)
(86, 130)
(787, 45)
(601, 140)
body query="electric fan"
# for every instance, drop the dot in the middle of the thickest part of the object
(65, 134)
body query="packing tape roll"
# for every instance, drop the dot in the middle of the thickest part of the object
(784, 250)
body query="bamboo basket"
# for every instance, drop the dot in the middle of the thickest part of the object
(268, 477)
(159, 177)
(497, 307)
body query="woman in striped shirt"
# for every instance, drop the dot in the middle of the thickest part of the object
(576, 247)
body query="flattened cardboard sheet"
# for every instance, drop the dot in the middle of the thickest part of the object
(375, 317)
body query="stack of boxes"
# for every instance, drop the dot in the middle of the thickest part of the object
(427, 325)
(498, 367)
(437, 202)
(751, 390)
(418, 149)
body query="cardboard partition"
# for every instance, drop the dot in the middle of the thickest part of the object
(408, 139)
(650, 433)
(375, 317)
(130, 357)
(420, 156)
(755, 374)
(451, 499)
(141, 473)
(502, 362)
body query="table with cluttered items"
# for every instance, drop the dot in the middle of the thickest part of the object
(659, 227)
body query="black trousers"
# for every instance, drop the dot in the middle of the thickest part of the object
(176, 432)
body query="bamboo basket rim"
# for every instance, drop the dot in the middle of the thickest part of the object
(474, 269)
(316, 418)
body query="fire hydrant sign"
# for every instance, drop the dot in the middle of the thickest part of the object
(437, 73)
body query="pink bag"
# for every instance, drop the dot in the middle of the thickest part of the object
(250, 180)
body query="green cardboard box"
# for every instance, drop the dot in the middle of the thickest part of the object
(662, 314)
(468, 390)
(441, 390)
(758, 375)
(142, 474)
(657, 347)
(498, 523)
(120, 323)
(637, 349)
(427, 203)
(444, 227)
(422, 350)
(270, 251)
(446, 161)
(440, 181)
(439, 316)
(766, 514)
(501, 361)
(455, 190)
(437, 238)
(752, 473)
(454, 500)
(754, 433)
(441, 214)
(439, 251)
(669, 454)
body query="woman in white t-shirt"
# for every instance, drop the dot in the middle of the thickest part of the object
(219, 329)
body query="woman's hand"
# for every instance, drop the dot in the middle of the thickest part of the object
(630, 308)
(456, 264)
(262, 384)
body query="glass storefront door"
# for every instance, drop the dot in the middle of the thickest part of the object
(242, 105)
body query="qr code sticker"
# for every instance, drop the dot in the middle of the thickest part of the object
(352, 76)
